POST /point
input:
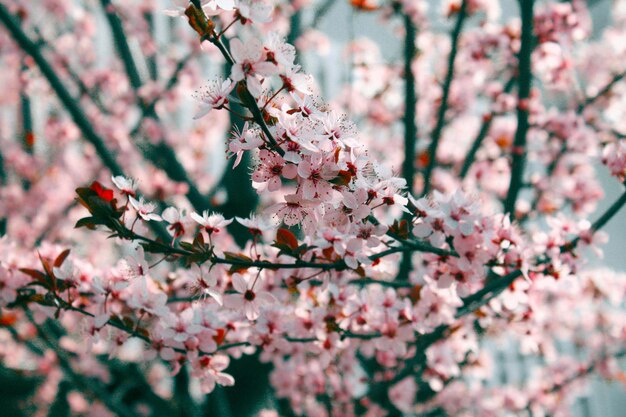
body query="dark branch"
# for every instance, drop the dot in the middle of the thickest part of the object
(443, 107)
(524, 81)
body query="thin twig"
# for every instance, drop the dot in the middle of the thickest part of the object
(603, 91)
(482, 134)
(443, 107)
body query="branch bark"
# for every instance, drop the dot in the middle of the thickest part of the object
(443, 107)
(410, 129)
(525, 77)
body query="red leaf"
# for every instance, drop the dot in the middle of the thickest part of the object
(61, 258)
(285, 237)
(33, 273)
(46, 265)
(104, 193)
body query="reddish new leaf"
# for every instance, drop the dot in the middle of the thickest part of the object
(33, 273)
(61, 258)
(285, 237)
(104, 193)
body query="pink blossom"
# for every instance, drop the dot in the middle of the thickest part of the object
(270, 170)
(211, 223)
(249, 64)
(214, 96)
(127, 186)
(248, 299)
(144, 209)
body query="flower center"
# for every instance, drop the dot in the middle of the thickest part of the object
(249, 295)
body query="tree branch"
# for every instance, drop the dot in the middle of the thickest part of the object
(605, 90)
(161, 155)
(482, 134)
(443, 107)
(30, 48)
(410, 129)
(525, 79)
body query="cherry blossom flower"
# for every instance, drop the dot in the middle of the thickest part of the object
(315, 173)
(180, 328)
(248, 299)
(214, 96)
(221, 4)
(135, 263)
(128, 186)
(144, 209)
(242, 140)
(209, 371)
(66, 272)
(614, 157)
(211, 223)
(256, 225)
(333, 304)
(9, 284)
(249, 64)
(254, 11)
(270, 170)
(176, 219)
(178, 7)
(293, 211)
(144, 296)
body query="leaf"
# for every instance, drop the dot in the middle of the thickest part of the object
(360, 272)
(187, 246)
(238, 257)
(88, 222)
(198, 21)
(329, 253)
(33, 273)
(243, 95)
(61, 258)
(7, 319)
(401, 229)
(285, 237)
(343, 178)
(103, 212)
(46, 265)
(104, 193)
(198, 241)
(220, 336)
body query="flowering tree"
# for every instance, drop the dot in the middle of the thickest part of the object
(390, 250)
